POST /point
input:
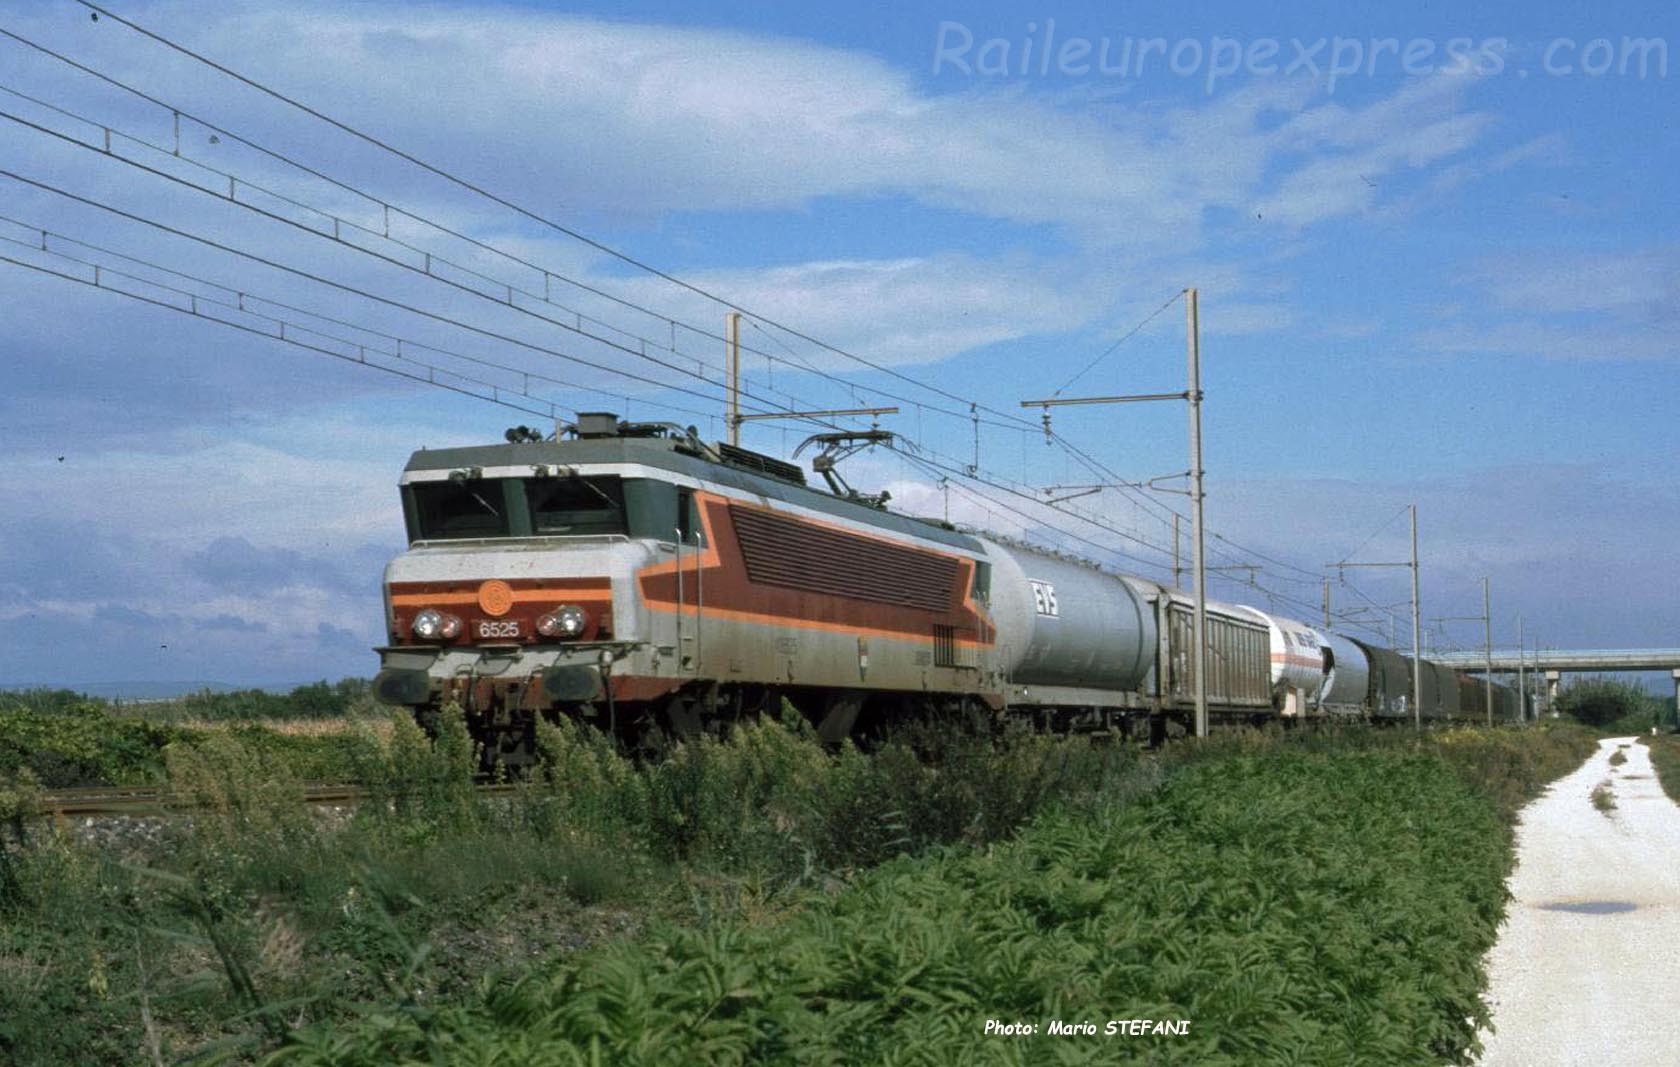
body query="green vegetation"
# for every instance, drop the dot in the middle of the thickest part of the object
(1618, 757)
(68, 739)
(762, 899)
(1603, 798)
(1665, 757)
(79, 743)
(352, 697)
(1613, 707)
(1298, 906)
(259, 912)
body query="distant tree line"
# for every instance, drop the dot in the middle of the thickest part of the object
(317, 700)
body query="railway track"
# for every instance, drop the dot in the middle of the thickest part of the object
(142, 800)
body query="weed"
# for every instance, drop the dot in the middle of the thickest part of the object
(1604, 798)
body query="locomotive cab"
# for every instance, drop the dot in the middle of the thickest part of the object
(517, 594)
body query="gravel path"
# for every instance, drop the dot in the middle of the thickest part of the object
(1587, 967)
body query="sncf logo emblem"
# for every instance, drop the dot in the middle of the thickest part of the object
(1044, 599)
(495, 597)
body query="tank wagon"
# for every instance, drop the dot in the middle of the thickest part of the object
(632, 575)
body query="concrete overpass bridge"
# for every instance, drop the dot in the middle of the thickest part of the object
(1554, 663)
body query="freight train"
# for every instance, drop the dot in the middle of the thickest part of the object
(633, 576)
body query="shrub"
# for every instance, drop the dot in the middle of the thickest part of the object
(1603, 798)
(1605, 703)
(78, 743)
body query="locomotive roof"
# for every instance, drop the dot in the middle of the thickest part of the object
(677, 456)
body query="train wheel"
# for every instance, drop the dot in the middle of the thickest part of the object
(682, 716)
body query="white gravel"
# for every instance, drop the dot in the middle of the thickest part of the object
(1592, 986)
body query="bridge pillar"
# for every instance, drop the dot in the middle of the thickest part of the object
(1552, 679)
(1676, 674)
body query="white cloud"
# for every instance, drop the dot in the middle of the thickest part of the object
(914, 310)
(579, 114)
(1569, 305)
(1644, 282)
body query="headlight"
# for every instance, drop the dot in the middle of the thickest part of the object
(428, 625)
(567, 620)
(451, 628)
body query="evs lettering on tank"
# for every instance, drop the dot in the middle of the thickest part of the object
(632, 576)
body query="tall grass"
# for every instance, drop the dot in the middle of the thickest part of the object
(1312, 900)
(1665, 758)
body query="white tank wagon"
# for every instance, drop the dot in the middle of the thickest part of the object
(1313, 672)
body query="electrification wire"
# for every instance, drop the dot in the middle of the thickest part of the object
(387, 207)
(1372, 535)
(1104, 471)
(392, 260)
(341, 223)
(984, 499)
(339, 220)
(1127, 336)
(350, 289)
(351, 245)
(372, 296)
(974, 494)
(1166, 512)
(242, 297)
(494, 396)
(1126, 535)
(336, 237)
(496, 393)
(532, 215)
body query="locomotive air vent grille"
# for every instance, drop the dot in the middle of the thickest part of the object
(736, 456)
(947, 652)
(800, 555)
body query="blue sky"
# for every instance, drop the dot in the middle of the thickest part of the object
(1424, 278)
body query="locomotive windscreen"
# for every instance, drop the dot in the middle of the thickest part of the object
(576, 505)
(445, 510)
(519, 507)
